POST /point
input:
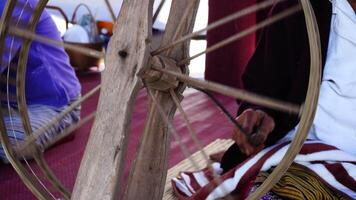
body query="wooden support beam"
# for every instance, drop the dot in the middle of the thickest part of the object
(235, 93)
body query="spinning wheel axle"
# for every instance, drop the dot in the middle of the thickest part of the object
(158, 80)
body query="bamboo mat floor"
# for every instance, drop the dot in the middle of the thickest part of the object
(186, 165)
(64, 159)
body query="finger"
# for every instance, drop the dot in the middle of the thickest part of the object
(257, 138)
(243, 143)
(252, 121)
(262, 128)
(247, 120)
(249, 150)
(242, 118)
(266, 125)
(239, 137)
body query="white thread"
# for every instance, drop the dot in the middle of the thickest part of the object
(9, 107)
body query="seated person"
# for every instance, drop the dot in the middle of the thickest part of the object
(51, 83)
(325, 168)
(268, 74)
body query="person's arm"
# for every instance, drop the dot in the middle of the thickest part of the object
(20, 18)
(280, 66)
(271, 72)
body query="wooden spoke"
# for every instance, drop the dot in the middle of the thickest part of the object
(5, 19)
(24, 148)
(193, 135)
(151, 158)
(177, 137)
(171, 128)
(32, 36)
(102, 165)
(168, 121)
(42, 130)
(246, 32)
(218, 23)
(128, 57)
(150, 167)
(181, 27)
(191, 131)
(158, 11)
(111, 10)
(256, 141)
(235, 93)
(22, 105)
(156, 172)
(29, 181)
(311, 101)
(179, 17)
(34, 184)
(74, 127)
(26, 178)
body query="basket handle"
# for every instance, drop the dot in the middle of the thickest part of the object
(60, 10)
(77, 8)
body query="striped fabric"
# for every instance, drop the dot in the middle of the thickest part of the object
(300, 183)
(327, 163)
(39, 115)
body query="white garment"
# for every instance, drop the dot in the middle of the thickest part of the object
(335, 120)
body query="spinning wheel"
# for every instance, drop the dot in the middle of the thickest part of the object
(130, 65)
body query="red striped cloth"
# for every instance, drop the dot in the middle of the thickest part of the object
(335, 167)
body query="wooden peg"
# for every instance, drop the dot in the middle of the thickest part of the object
(162, 81)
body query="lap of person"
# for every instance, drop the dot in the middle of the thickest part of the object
(39, 116)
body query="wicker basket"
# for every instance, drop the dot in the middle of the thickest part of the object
(79, 61)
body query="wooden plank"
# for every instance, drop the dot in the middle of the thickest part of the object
(150, 167)
(102, 166)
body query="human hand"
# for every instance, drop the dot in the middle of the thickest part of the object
(256, 126)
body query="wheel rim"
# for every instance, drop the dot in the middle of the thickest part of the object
(142, 61)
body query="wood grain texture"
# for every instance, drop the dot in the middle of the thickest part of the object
(150, 168)
(102, 166)
(177, 12)
(148, 174)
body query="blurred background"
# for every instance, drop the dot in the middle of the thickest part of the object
(100, 13)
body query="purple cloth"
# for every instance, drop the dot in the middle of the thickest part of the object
(50, 79)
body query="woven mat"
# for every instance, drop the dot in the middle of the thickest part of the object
(186, 165)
